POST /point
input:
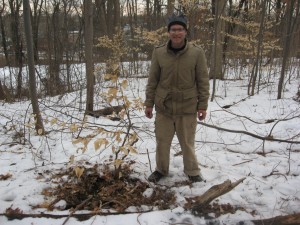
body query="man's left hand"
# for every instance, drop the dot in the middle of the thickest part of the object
(201, 114)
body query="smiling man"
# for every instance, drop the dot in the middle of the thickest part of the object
(178, 88)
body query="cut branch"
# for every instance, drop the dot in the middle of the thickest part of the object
(214, 192)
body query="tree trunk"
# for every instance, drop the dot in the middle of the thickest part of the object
(109, 16)
(17, 42)
(117, 16)
(287, 40)
(259, 51)
(89, 65)
(39, 127)
(217, 57)
(3, 37)
(101, 18)
(170, 7)
(36, 15)
(216, 67)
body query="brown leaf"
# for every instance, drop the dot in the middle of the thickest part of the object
(5, 177)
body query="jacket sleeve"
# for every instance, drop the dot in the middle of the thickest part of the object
(154, 76)
(202, 79)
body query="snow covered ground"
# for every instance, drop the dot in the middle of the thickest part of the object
(271, 168)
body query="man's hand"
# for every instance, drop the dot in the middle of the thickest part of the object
(148, 112)
(201, 114)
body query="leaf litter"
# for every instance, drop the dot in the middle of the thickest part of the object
(99, 190)
(105, 191)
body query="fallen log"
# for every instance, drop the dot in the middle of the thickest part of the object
(215, 192)
(292, 219)
(201, 202)
(106, 111)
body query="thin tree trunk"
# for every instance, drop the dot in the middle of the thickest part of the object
(88, 37)
(3, 36)
(216, 68)
(117, 16)
(17, 42)
(259, 50)
(170, 7)
(39, 127)
(286, 47)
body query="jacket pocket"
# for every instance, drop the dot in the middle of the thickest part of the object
(190, 99)
(161, 96)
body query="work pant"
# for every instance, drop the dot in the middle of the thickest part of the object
(185, 129)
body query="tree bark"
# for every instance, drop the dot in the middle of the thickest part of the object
(39, 127)
(287, 41)
(216, 67)
(89, 64)
(293, 219)
(214, 192)
(170, 7)
(259, 51)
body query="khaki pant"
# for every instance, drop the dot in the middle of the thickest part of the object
(185, 129)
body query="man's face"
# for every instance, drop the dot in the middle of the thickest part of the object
(177, 35)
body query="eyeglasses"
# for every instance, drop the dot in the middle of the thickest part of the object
(180, 30)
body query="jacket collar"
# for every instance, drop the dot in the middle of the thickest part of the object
(168, 48)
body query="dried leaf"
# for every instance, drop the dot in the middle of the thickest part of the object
(112, 91)
(73, 127)
(124, 84)
(132, 150)
(72, 159)
(99, 142)
(5, 177)
(53, 121)
(118, 162)
(125, 150)
(79, 171)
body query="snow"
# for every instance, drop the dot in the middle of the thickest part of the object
(271, 169)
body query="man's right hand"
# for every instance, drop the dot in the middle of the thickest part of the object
(148, 112)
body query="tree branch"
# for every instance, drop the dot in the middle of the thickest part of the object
(266, 138)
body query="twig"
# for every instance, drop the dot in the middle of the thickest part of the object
(77, 207)
(242, 162)
(149, 160)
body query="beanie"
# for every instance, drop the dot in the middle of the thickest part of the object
(174, 19)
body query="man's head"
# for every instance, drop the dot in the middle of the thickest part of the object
(177, 28)
(179, 20)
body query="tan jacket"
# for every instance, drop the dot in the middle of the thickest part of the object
(178, 84)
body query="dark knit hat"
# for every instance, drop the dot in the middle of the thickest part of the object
(174, 19)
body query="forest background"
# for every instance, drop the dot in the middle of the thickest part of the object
(245, 33)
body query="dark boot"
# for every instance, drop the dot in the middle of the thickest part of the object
(196, 178)
(155, 177)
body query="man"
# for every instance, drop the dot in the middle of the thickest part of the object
(178, 87)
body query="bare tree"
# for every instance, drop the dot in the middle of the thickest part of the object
(259, 50)
(39, 127)
(3, 32)
(290, 27)
(15, 6)
(170, 7)
(36, 17)
(88, 39)
(216, 69)
(100, 18)
(117, 16)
